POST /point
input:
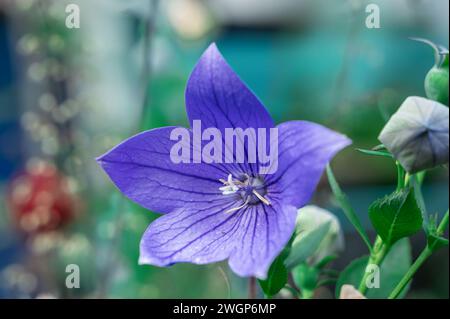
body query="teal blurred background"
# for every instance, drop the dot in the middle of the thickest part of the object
(68, 95)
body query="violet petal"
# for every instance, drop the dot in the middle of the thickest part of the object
(251, 238)
(216, 96)
(305, 149)
(141, 167)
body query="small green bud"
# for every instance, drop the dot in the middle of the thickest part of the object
(436, 84)
(436, 80)
(306, 277)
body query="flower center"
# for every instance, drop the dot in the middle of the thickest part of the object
(251, 189)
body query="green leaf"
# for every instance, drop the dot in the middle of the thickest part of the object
(396, 216)
(277, 276)
(346, 207)
(375, 153)
(307, 246)
(392, 270)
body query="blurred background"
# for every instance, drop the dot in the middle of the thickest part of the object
(68, 95)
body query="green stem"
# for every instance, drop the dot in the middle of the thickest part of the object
(419, 261)
(347, 208)
(443, 225)
(380, 251)
(407, 179)
(421, 177)
(410, 273)
(416, 181)
(307, 294)
(400, 176)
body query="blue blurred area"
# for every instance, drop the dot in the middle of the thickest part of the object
(10, 131)
(6, 74)
(297, 73)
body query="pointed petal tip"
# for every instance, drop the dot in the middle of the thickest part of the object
(212, 47)
(343, 140)
(346, 141)
(211, 52)
(102, 159)
(146, 257)
(146, 260)
(214, 87)
(99, 159)
(143, 261)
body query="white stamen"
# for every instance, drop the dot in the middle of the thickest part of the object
(239, 207)
(227, 190)
(232, 186)
(261, 198)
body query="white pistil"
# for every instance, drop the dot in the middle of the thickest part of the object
(239, 207)
(233, 186)
(261, 198)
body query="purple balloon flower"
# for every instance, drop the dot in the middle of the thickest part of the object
(215, 211)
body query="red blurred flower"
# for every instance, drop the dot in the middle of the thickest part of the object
(40, 199)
